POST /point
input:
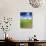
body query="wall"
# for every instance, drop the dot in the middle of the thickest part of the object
(12, 8)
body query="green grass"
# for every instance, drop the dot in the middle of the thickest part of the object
(26, 23)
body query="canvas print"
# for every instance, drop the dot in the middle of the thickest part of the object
(25, 19)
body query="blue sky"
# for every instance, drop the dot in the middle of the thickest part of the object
(26, 14)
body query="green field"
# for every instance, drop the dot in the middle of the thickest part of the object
(26, 23)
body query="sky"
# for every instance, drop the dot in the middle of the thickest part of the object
(26, 14)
